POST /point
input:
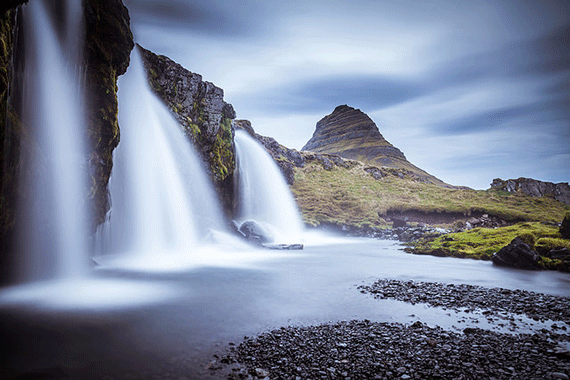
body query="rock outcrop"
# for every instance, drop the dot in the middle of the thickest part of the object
(205, 117)
(350, 133)
(108, 45)
(517, 254)
(559, 191)
(109, 42)
(565, 227)
(287, 159)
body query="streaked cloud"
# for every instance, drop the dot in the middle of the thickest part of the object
(469, 90)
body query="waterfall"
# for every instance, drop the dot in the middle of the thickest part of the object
(162, 200)
(263, 193)
(52, 233)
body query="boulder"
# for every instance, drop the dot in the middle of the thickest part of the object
(565, 227)
(517, 254)
(255, 232)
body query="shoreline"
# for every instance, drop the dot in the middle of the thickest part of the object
(361, 349)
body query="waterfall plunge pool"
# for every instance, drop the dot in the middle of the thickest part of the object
(166, 323)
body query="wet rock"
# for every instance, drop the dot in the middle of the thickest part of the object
(372, 350)
(463, 296)
(283, 246)
(253, 231)
(517, 254)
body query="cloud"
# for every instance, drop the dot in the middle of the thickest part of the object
(459, 76)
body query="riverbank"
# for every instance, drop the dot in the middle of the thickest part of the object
(361, 349)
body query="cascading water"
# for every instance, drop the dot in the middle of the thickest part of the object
(263, 193)
(161, 198)
(53, 232)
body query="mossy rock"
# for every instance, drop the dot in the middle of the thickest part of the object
(565, 227)
(546, 244)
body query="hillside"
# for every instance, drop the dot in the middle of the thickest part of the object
(350, 133)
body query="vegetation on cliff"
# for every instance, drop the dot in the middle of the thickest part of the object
(203, 114)
(108, 44)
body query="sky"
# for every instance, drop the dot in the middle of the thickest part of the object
(468, 90)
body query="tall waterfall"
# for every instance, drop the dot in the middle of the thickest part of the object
(52, 236)
(162, 199)
(263, 193)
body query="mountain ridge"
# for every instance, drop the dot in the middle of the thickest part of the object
(350, 133)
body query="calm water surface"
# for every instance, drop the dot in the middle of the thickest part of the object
(138, 323)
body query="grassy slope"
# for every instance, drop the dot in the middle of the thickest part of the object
(353, 196)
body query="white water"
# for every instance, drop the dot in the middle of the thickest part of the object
(52, 236)
(263, 193)
(162, 201)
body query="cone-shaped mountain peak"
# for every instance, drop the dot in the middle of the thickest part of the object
(350, 133)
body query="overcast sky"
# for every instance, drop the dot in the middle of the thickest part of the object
(468, 90)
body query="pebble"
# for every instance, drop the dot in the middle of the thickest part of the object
(361, 349)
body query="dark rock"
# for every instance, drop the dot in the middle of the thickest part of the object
(565, 227)
(205, 117)
(559, 254)
(254, 232)
(534, 188)
(397, 223)
(517, 254)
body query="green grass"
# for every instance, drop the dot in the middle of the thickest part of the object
(352, 196)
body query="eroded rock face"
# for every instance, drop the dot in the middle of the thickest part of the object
(200, 108)
(565, 227)
(108, 45)
(559, 191)
(517, 254)
(350, 133)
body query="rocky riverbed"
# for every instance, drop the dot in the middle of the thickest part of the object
(539, 307)
(361, 349)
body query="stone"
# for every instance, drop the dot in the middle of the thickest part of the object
(534, 188)
(283, 246)
(254, 232)
(565, 226)
(517, 254)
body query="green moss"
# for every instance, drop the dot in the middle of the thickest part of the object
(547, 243)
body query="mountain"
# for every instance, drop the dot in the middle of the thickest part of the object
(350, 133)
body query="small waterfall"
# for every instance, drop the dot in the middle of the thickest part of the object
(263, 193)
(52, 232)
(162, 199)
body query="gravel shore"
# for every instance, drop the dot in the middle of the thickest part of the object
(361, 349)
(537, 306)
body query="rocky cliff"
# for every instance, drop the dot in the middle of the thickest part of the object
(108, 44)
(559, 191)
(350, 133)
(205, 117)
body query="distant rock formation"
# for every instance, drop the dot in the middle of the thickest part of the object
(205, 117)
(350, 133)
(559, 191)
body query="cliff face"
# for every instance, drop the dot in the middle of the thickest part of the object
(205, 117)
(559, 191)
(350, 133)
(108, 45)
